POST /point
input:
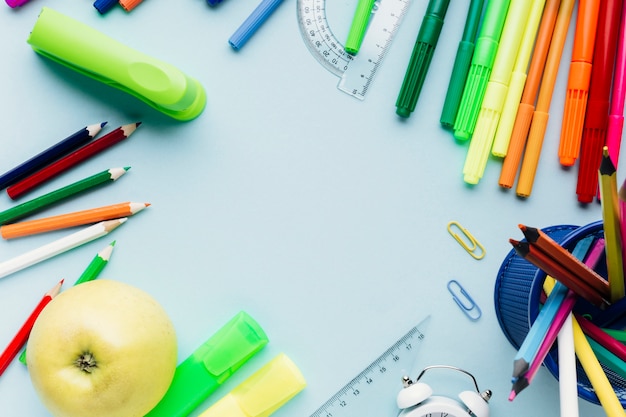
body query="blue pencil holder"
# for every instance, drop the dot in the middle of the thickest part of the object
(517, 295)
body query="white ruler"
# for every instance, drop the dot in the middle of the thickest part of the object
(373, 391)
(356, 72)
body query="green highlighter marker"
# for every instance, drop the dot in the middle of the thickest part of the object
(210, 366)
(461, 64)
(421, 56)
(359, 26)
(480, 69)
(94, 54)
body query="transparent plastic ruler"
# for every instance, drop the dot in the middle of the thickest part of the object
(373, 391)
(356, 72)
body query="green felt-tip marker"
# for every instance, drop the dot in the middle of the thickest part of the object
(480, 69)
(422, 55)
(462, 63)
(359, 26)
(211, 365)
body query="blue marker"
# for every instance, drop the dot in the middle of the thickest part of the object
(253, 22)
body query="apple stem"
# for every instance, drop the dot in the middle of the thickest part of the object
(86, 362)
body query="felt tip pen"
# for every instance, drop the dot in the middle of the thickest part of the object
(578, 81)
(253, 23)
(211, 365)
(462, 63)
(496, 91)
(480, 68)
(597, 114)
(618, 95)
(421, 56)
(358, 27)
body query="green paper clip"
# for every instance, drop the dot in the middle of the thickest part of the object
(94, 54)
(211, 365)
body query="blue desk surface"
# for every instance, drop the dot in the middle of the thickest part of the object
(322, 216)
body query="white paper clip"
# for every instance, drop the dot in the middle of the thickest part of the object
(464, 301)
(466, 240)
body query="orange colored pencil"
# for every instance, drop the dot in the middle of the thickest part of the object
(526, 107)
(76, 218)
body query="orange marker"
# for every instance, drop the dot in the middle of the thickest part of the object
(540, 117)
(529, 95)
(578, 81)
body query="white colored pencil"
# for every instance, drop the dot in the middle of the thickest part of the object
(59, 246)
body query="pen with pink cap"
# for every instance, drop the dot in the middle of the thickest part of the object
(616, 113)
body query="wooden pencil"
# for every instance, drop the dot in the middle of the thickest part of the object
(76, 218)
(91, 149)
(561, 255)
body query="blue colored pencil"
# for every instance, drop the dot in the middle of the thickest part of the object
(51, 154)
(537, 332)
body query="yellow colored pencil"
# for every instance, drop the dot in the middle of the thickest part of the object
(612, 231)
(601, 385)
(77, 218)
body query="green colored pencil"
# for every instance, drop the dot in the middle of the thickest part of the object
(41, 202)
(96, 265)
(90, 273)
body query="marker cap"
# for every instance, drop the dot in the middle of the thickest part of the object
(262, 393)
(210, 365)
(92, 53)
(103, 6)
(129, 5)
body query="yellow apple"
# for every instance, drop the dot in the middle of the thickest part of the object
(102, 348)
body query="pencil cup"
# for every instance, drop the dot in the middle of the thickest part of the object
(517, 298)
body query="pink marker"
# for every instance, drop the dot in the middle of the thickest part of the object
(616, 113)
(16, 3)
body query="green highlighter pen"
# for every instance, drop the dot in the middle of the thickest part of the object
(461, 64)
(480, 69)
(421, 56)
(359, 26)
(210, 366)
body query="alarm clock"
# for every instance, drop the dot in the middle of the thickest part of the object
(416, 399)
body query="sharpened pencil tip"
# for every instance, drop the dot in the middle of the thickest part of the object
(103, 124)
(512, 395)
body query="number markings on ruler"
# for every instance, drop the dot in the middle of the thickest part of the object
(356, 72)
(373, 390)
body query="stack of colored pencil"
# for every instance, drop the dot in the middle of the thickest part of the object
(503, 110)
(572, 276)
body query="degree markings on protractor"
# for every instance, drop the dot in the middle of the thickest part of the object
(373, 391)
(356, 72)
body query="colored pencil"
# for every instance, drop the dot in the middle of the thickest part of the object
(22, 335)
(599, 381)
(526, 107)
(97, 264)
(29, 207)
(495, 93)
(621, 197)
(597, 113)
(90, 150)
(77, 218)
(50, 154)
(539, 122)
(618, 95)
(561, 255)
(546, 344)
(568, 377)
(557, 294)
(578, 81)
(558, 272)
(603, 338)
(612, 226)
(59, 246)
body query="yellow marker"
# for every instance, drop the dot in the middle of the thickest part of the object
(262, 393)
(612, 231)
(601, 385)
(518, 81)
(495, 93)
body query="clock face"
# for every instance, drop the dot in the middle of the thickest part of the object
(436, 406)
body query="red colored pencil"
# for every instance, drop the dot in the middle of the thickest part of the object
(561, 255)
(21, 337)
(558, 272)
(91, 149)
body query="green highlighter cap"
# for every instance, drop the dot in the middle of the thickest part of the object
(92, 53)
(211, 365)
